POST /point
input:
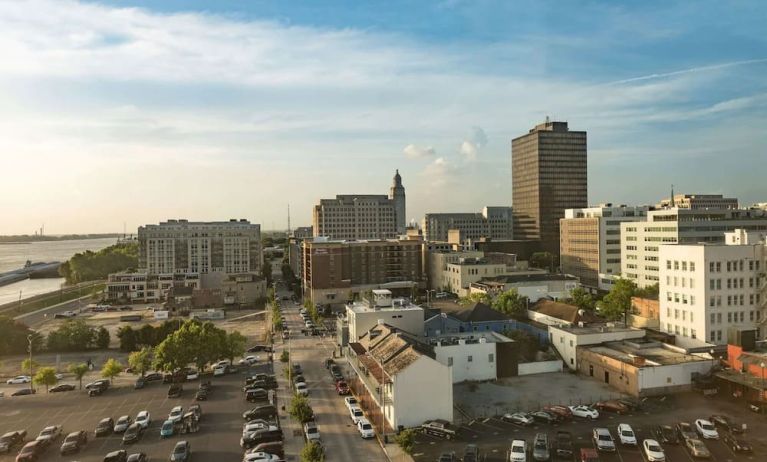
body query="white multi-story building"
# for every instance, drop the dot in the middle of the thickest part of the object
(705, 289)
(362, 216)
(640, 241)
(399, 313)
(699, 201)
(590, 242)
(493, 222)
(471, 356)
(172, 246)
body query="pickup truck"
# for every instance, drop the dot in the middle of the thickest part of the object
(439, 428)
(564, 444)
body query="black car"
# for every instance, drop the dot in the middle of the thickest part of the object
(329, 362)
(105, 427)
(264, 435)
(736, 443)
(266, 411)
(175, 390)
(665, 434)
(274, 447)
(97, 384)
(12, 439)
(133, 433)
(61, 387)
(257, 348)
(563, 443)
(138, 457)
(297, 368)
(24, 392)
(201, 395)
(440, 428)
(74, 442)
(153, 377)
(181, 452)
(96, 391)
(447, 457)
(725, 423)
(116, 456)
(255, 395)
(140, 383)
(471, 453)
(545, 417)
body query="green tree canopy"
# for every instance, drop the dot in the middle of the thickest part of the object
(79, 371)
(406, 440)
(617, 302)
(90, 266)
(13, 337)
(648, 292)
(141, 361)
(511, 303)
(128, 338)
(312, 452)
(74, 335)
(27, 366)
(300, 409)
(476, 297)
(234, 345)
(582, 299)
(102, 338)
(45, 376)
(266, 272)
(112, 368)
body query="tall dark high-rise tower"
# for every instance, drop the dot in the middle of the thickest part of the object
(397, 194)
(548, 172)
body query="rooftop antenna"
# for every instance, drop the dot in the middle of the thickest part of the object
(288, 219)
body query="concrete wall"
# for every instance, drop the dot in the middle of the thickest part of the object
(423, 391)
(410, 320)
(469, 361)
(546, 319)
(567, 343)
(540, 367)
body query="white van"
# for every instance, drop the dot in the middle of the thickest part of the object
(518, 451)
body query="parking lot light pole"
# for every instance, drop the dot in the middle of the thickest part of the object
(31, 382)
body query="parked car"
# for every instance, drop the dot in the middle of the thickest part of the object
(437, 427)
(61, 387)
(686, 431)
(706, 429)
(181, 452)
(563, 412)
(257, 348)
(24, 392)
(31, 451)
(153, 377)
(545, 417)
(97, 384)
(342, 388)
(736, 443)
(176, 414)
(697, 449)
(653, 451)
(470, 453)
(74, 442)
(219, 371)
(144, 419)
(175, 390)
(725, 423)
(12, 439)
(665, 434)
(350, 401)
(196, 409)
(49, 434)
(564, 444)
(167, 429)
(116, 456)
(104, 427)
(613, 405)
(585, 412)
(266, 435)
(447, 457)
(273, 447)
(255, 395)
(356, 414)
(302, 389)
(311, 432)
(518, 451)
(603, 440)
(626, 435)
(541, 447)
(365, 429)
(518, 418)
(201, 395)
(192, 374)
(123, 423)
(19, 379)
(138, 457)
(266, 411)
(133, 433)
(260, 457)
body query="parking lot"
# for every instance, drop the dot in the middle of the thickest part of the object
(494, 436)
(216, 440)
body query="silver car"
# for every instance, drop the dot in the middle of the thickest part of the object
(541, 447)
(603, 440)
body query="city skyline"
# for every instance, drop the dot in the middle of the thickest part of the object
(114, 116)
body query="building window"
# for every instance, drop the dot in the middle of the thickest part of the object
(470, 359)
(668, 264)
(449, 361)
(692, 266)
(693, 334)
(712, 336)
(712, 317)
(491, 358)
(676, 265)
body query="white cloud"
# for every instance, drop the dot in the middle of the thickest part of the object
(416, 152)
(471, 147)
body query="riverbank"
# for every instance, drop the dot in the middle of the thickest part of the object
(26, 239)
(51, 298)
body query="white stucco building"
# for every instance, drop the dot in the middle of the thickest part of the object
(364, 315)
(707, 288)
(470, 356)
(567, 339)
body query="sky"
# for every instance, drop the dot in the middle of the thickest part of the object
(121, 113)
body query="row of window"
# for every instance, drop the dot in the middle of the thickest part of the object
(470, 359)
(683, 266)
(735, 300)
(681, 330)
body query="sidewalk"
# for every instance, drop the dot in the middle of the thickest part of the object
(291, 429)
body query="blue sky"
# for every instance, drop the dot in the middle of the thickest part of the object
(137, 111)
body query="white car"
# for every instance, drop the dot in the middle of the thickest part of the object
(176, 414)
(301, 389)
(350, 401)
(259, 456)
(706, 429)
(365, 429)
(224, 363)
(249, 360)
(219, 371)
(250, 427)
(586, 412)
(193, 374)
(19, 379)
(59, 376)
(652, 451)
(626, 435)
(518, 451)
(356, 414)
(122, 424)
(311, 432)
(144, 419)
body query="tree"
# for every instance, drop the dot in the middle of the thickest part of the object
(511, 303)
(73, 335)
(102, 338)
(45, 376)
(90, 266)
(13, 337)
(617, 303)
(312, 452)
(542, 260)
(266, 272)
(79, 371)
(112, 368)
(648, 292)
(284, 356)
(127, 336)
(140, 361)
(234, 345)
(582, 299)
(300, 409)
(25, 366)
(476, 297)
(406, 440)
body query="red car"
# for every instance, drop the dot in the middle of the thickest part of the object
(342, 388)
(562, 411)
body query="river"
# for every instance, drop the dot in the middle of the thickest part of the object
(13, 256)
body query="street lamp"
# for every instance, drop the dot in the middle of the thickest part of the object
(711, 352)
(761, 392)
(30, 337)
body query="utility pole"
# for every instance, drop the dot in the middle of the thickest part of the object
(31, 382)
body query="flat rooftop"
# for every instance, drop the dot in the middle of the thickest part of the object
(597, 329)
(363, 307)
(469, 337)
(527, 277)
(653, 353)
